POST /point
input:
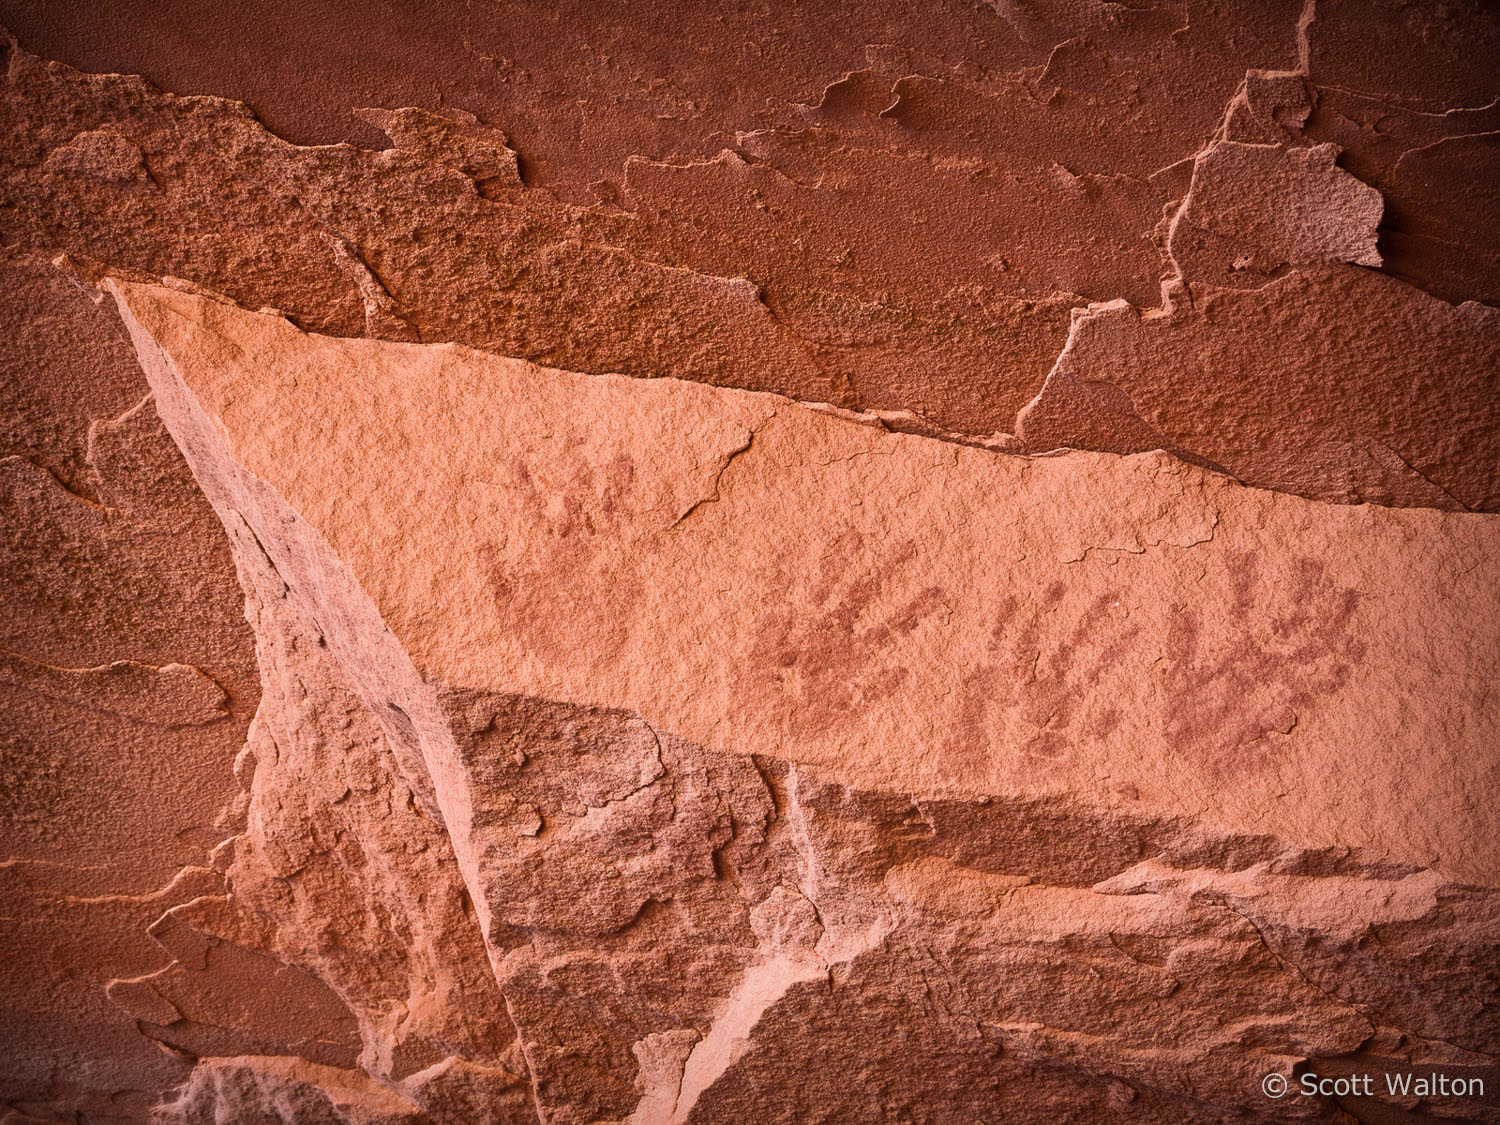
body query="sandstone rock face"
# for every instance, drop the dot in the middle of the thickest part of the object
(709, 563)
(733, 714)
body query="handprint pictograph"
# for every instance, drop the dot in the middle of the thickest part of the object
(826, 637)
(1035, 693)
(567, 583)
(1230, 670)
(1236, 678)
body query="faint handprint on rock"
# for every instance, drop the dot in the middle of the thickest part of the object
(1036, 694)
(1235, 678)
(826, 640)
(569, 580)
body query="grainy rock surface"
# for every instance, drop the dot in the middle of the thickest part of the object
(716, 562)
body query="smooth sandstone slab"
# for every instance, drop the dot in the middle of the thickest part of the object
(894, 612)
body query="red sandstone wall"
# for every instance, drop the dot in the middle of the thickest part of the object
(1242, 258)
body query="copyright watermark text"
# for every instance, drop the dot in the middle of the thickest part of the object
(1392, 1084)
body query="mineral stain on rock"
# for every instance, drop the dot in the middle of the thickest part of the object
(585, 563)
